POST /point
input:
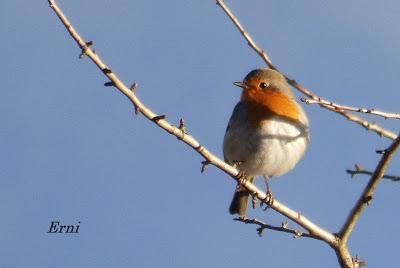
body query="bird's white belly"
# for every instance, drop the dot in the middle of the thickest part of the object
(271, 150)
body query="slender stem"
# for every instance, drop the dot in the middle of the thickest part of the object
(353, 109)
(366, 172)
(283, 228)
(364, 123)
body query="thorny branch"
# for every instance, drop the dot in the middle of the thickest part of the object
(360, 170)
(284, 228)
(366, 196)
(364, 123)
(351, 109)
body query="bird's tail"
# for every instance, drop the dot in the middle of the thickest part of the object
(240, 200)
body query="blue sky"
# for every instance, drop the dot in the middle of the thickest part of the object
(72, 150)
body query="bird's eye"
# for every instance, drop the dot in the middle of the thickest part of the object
(263, 85)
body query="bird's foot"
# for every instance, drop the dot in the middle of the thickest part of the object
(242, 177)
(269, 199)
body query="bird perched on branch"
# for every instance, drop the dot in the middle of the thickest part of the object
(267, 134)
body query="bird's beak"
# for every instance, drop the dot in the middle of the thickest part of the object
(239, 84)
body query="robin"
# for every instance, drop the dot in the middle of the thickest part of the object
(267, 133)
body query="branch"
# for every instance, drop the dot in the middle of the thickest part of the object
(366, 196)
(209, 157)
(284, 228)
(364, 123)
(359, 170)
(324, 103)
(352, 109)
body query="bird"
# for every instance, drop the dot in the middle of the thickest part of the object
(267, 134)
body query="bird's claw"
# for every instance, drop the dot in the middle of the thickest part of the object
(269, 198)
(241, 176)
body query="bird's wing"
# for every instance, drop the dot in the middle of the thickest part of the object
(237, 112)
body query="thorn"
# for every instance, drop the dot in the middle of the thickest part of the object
(86, 46)
(107, 70)
(380, 151)
(137, 109)
(367, 199)
(182, 128)
(158, 118)
(285, 225)
(359, 262)
(351, 172)
(134, 86)
(358, 167)
(182, 125)
(83, 54)
(297, 234)
(109, 84)
(204, 164)
(260, 231)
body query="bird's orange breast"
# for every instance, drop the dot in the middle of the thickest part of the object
(264, 104)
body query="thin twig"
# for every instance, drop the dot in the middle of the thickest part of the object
(295, 216)
(364, 123)
(352, 109)
(302, 89)
(283, 228)
(359, 170)
(366, 196)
